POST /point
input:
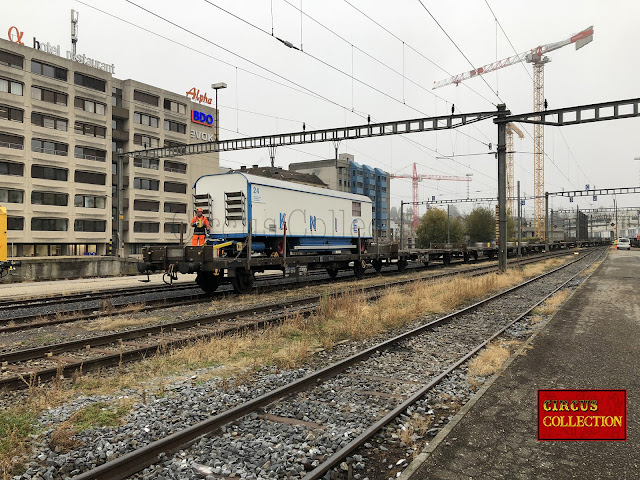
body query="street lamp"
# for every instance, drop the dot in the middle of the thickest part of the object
(216, 87)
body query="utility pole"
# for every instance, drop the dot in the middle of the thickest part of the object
(519, 222)
(401, 224)
(546, 222)
(119, 209)
(502, 190)
(448, 236)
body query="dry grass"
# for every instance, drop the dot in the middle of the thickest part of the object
(488, 361)
(63, 438)
(552, 304)
(115, 323)
(415, 427)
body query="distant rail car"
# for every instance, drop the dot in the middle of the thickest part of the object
(214, 267)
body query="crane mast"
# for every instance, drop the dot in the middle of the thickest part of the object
(511, 129)
(537, 57)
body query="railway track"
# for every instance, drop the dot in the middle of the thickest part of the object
(25, 367)
(23, 315)
(318, 420)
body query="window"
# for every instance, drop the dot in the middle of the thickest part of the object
(117, 124)
(9, 86)
(170, 144)
(176, 167)
(175, 227)
(172, 126)
(90, 130)
(49, 224)
(90, 225)
(146, 206)
(143, 97)
(116, 97)
(50, 96)
(94, 178)
(146, 227)
(7, 195)
(47, 121)
(89, 106)
(11, 60)
(151, 163)
(12, 114)
(175, 107)
(49, 173)
(15, 223)
(48, 70)
(89, 201)
(144, 119)
(170, 207)
(49, 146)
(146, 141)
(146, 184)
(49, 198)
(11, 141)
(90, 154)
(175, 187)
(11, 168)
(89, 82)
(356, 209)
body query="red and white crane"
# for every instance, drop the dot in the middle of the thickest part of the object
(415, 178)
(537, 57)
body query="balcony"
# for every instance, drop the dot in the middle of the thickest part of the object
(15, 146)
(120, 135)
(50, 151)
(118, 111)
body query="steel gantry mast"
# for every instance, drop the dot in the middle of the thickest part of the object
(511, 129)
(415, 178)
(537, 57)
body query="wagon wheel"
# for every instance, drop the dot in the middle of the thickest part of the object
(333, 272)
(377, 265)
(446, 259)
(242, 282)
(402, 265)
(359, 267)
(208, 282)
(466, 258)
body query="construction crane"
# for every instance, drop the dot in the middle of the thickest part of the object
(537, 57)
(416, 178)
(511, 129)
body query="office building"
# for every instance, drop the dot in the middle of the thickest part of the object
(62, 120)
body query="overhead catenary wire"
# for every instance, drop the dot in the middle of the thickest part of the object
(459, 50)
(305, 91)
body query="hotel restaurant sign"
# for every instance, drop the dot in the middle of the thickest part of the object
(15, 35)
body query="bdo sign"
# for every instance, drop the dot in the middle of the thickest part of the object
(202, 118)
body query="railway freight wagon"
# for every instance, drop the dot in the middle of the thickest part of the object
(316, 219)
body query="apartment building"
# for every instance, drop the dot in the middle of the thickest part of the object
(346, 175)
(62, 123)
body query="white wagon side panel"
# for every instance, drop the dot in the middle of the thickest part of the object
(309, 211)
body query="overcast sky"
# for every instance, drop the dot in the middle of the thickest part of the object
(261, 98)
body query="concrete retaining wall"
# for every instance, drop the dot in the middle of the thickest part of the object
(56, 268)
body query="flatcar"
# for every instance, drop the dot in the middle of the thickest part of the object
(281, 216)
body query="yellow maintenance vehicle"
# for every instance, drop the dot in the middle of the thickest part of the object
(5, 265)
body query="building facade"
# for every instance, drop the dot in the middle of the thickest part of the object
(346, 175)
(62, 123)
